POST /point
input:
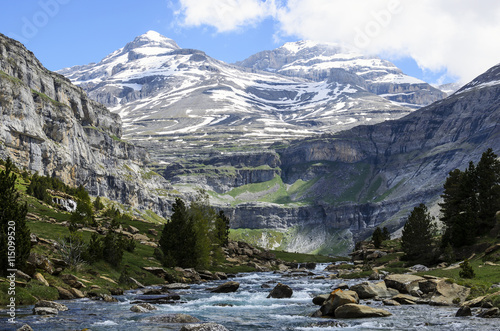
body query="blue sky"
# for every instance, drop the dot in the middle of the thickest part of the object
(435, 40)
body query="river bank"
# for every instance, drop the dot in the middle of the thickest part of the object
(249, 308)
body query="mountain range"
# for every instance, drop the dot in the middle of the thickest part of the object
(178, 98)
(317, 191)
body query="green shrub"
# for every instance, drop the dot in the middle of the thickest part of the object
(466, 270)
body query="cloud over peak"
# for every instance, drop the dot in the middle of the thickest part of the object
(458, 36)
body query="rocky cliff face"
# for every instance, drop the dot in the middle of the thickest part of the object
(372, 175)
(50, 126)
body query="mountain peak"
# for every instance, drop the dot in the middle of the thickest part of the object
(298, 46)
(152, 39)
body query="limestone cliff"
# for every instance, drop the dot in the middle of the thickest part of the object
(50, 126)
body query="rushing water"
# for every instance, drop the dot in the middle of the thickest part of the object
(248, 309)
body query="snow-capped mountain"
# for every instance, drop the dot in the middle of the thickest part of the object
(184, 98)
(316, 61)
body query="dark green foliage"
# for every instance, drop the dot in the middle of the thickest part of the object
(177, 241)
(449, 254)
(83, 213)
(125, 277)
(416, 241)
(194, 236)
(488, 190)
(38, 188)
(377, 237)
(13, 226)
(113, 245)
(470, 200)
(466, 270)
(98, 205)
(40, 184)
(222, 228)
(385, 234)
(72, 248)
(95, 249)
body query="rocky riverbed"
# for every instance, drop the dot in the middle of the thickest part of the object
(304, 299)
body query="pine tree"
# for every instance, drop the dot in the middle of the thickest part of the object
(12, 222)
(488, 190)
(177, 241)
(222, 228)
(386, 235)
(377, 237)
(416, 240)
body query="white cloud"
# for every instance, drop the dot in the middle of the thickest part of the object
(459, 36)
(225, 15)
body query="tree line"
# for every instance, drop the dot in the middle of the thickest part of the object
(470, 201)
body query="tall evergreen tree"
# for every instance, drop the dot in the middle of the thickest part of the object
(177, 241)
(377, 237)
(416, 240)
(13, 227)
(222, 228)
(488, 190)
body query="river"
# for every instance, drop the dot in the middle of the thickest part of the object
(249, 309)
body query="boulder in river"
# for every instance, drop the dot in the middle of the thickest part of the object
(336, 299)
(281, 291)
(142, 308)
(204, 327)
(352, 310)
(161, 298)
(463, 311)
(227, 287)
(45, 311)
(172, 318)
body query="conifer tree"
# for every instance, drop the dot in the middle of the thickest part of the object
(416, 240)
(177, 241)
(377, 237)
(13, 228)
(488, 190)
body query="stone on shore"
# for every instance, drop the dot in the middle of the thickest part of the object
(25, 327)
(281, 291)
(448, 294)
(403, 283)
(370, 290)
(51, 304)
(352, 310)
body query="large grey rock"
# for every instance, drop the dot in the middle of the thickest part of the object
(448, 294)
(370, 290)
(403, 283)
(352, 310)
(335, 300)
(51, 304)
(143, 308)
(227, 287)
(281, 291)
(45, 311)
